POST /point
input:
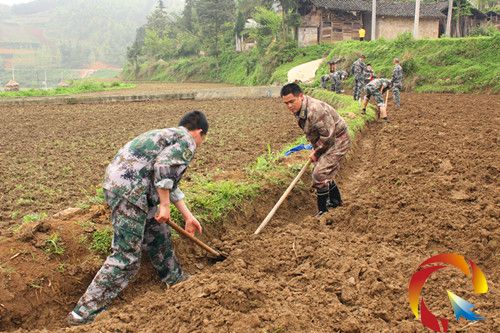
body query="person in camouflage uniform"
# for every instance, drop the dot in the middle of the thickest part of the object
(337, 77)
(376, 88)
(324, 80)
(327, 132)
(369, 74)
(358, 69)
(397, 82)
(139, 185)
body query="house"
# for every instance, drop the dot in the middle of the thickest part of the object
(327, 21)
(472, 18)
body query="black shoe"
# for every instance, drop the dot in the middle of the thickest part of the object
(334, 197)
(363, 112)
(386, 120)
(322, 200)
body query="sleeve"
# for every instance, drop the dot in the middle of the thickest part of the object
(169, 167)
(325, 126)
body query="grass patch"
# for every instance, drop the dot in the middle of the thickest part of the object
(101, 241)
(54, 245)
(76, 87)
(211, 200)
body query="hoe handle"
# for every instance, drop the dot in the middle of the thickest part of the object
(283, 197)
(194, 239)
(386, 97)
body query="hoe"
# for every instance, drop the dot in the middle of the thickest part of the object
(218, 255)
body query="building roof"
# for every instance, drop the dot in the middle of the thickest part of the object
(384, 8)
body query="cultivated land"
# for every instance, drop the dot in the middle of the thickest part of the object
(424, 184)
(54, 156)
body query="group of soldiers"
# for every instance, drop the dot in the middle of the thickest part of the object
(142, 181)
(365, 79)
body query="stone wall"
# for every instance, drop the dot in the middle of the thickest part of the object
(390, 27)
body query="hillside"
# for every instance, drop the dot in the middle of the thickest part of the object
(71, 33)
(431, 65)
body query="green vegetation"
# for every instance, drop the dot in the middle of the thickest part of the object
(54, 245)
(76, 87)
(34, 217)
(457, 65)
(182, 49)
(101, 241)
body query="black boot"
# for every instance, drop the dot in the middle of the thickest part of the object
(322, 197)
(334, 197)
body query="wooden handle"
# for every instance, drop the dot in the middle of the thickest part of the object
(386, 97)
(283, 197)
(194, 239)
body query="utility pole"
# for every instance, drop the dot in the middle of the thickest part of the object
(374, 19)
(417, 18)
(448, 18)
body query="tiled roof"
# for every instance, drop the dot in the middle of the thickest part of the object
(384, 8)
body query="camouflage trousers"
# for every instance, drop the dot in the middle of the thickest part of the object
(396, 94)
(336, 85)
(328, 164)
(358, 86)
(133, 231)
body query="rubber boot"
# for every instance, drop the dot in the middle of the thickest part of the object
(322, 199)
(335, 200)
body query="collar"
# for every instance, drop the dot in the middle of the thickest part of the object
(188, 135)
(302, 113)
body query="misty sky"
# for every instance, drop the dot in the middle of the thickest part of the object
(13, 2)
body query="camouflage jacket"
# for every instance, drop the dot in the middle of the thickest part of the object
(397, 75)
(377, 84)
(155, 159)
(321, 124)
(358, 69)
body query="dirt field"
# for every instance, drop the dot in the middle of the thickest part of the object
(424, 184)
(54, 156)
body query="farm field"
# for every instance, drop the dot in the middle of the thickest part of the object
(54, 156)
(426, 183)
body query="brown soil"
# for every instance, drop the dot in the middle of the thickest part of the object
(54, 156)
(424, 184)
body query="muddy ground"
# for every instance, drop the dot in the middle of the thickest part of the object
(424, 184)
(54, 156)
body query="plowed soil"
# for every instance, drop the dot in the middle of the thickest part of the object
(54, 156)
(426, 183)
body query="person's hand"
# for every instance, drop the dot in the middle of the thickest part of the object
(193, 225)
(163, 214)
(313, 156)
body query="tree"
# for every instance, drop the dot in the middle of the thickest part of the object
(215, 17)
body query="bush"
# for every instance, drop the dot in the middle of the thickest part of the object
(484, 30)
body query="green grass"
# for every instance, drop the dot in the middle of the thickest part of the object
(76, 87)
(54, 245)
(455, 65)
(101, 241)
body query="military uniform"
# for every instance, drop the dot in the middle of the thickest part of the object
(397, 81)
(373, 89)
(337, 77)
(358, 70)
(327, 132)
(324, 79)
(155, 159)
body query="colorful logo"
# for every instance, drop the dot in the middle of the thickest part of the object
(461, 307)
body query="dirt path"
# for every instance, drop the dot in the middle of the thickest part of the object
(424, 184)
(305, 72)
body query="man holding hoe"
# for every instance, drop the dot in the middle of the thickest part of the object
(139, 185)
(327, 132)
(376, 88)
